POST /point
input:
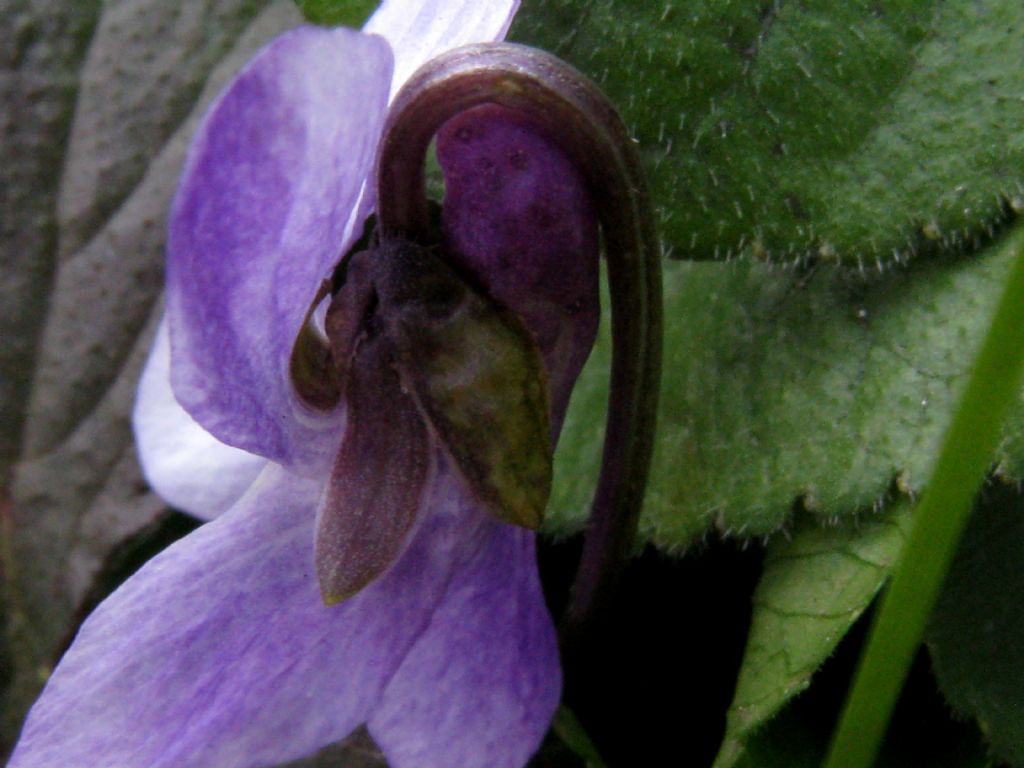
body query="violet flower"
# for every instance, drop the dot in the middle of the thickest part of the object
(221, 651)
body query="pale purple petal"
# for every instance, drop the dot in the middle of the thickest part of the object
(266, 207)
(187, 466)
(220, 654)
(419, 30)
(479, 688)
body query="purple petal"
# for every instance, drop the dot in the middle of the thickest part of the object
(187, 466)
(419, 30)
(482, 683)
(267, 205)
(219, 653)
(518, 215)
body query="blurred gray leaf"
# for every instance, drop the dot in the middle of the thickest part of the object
(77, 490)
(140, 80)
(41, 48)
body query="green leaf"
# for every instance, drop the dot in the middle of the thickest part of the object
(976, 634)
(828, 129)
(790, 741)
(92, 195)
(331, 13)
(820, 389)
(784, 743)
(814, 586)
(995, 382)
(570, 730)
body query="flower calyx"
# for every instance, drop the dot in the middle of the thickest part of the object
(471, 365)
(423, 359)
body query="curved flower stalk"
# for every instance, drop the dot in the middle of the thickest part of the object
(574, 113)
(362, 398)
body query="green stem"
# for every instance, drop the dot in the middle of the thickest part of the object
(573, 735)
(939, 519)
